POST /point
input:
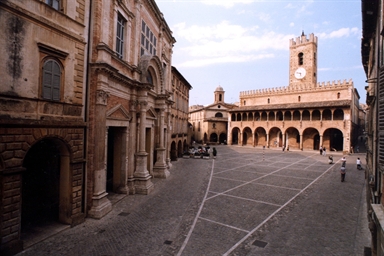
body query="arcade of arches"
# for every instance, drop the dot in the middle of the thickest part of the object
(304, 130)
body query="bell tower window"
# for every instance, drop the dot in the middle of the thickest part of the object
(301, 58)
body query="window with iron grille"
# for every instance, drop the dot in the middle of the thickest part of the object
(120, 36)
(380, 120)
(51, 80)
(148, 40)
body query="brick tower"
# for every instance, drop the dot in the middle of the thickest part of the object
(303, 61)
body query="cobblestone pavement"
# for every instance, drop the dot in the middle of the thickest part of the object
(247, 201)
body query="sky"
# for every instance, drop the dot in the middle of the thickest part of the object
(243, 45)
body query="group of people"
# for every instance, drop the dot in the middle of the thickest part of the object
(343, 167)
(323, 151)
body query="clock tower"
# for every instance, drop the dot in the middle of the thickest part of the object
(303, 61)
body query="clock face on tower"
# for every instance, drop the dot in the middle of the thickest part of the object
(300, 73)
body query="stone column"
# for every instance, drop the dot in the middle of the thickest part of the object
(160, 169)
(267, 146)
(301, 141)
(321, 140)
(240, 138)
(167, 136)
(100, 203)
(284, 142)
(143, 183)
(132, 147)
(253, 139)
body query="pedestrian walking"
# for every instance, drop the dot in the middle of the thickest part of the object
(342, 172)
(321, 150)
(357, 149)
(324, 151)
(343, 161)
(358, 163)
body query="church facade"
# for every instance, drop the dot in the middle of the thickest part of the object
(304, 115)
(130, 101)
(210, 123)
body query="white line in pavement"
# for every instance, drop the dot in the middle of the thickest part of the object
(269, 185)
(198, 213)
(248, 182)
(248, 199)
(222, 224)
(274, 213)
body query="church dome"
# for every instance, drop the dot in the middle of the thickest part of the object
(219, 88)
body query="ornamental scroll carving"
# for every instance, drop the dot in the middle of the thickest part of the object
(143, 105)
(101, 97)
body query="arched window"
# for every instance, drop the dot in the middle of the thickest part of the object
(338, 95)
(245, 103)
(149, 78)
(220, 97)
(299, 98)
(51, 80)
(269, 101)
(218, 114)
(301, 58)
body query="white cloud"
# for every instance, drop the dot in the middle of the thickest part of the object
(265, 17)
(224, 59)
(226, 3)
(225, 42)
(342, 32)
(292, 24)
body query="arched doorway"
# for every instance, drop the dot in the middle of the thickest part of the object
(213, 137)
(173, 151)
(260, 137)
(333, 139)
(235, 136)
(311, 139)
(46, 186)
(223, 138)
(179, 149)
(275, 137)
(247, 136)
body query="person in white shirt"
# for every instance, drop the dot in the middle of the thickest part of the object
(358, 163)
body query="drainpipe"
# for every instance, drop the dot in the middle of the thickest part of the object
(86, 107)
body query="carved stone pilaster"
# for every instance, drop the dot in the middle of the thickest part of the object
(102, 97)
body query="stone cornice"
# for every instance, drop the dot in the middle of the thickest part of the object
(294, 106)
(102, 67)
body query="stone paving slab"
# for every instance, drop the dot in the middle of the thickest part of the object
(238, 175)
(261, 192)
(291, 201)
(239, 212)
(222, 185)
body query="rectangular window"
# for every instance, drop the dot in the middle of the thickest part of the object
(148, 40)
(120, 36)
(53, 3)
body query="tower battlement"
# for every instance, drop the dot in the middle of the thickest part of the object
(298, 88)
(303, 39)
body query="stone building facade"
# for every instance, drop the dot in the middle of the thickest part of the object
(86, 99)
(372, 54)
(210, 123)
(42, 124)
(129, 102)
(180, 132)
(305, 115)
